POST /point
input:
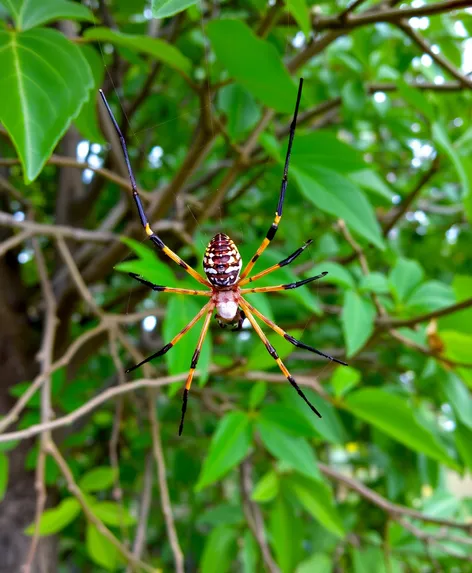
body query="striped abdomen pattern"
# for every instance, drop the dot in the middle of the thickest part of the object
(222, 261)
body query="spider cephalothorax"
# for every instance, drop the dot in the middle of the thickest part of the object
(222, 265)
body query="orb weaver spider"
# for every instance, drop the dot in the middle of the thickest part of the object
(222, 265)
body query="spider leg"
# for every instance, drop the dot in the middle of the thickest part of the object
(161, 288)
(271, 350)
(177, 337)
(194, 362)
(283, 263)
(278, 214)
(283, 287)
(288, 337)
(142, 215)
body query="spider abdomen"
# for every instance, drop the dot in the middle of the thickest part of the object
(222, 261)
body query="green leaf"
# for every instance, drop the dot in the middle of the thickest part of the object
(319, 562)
(100, 549)
(457, 348)
(3, 474)
(166, 8)
(266, 488)
(344, 379)
(374, 282)
(87, 120)
(368, 560)
(240, 108)
(394, 416)
(249, 553)
(229, 446)
(337, 274)
(220, 548)
(299, 11)
(357, 319)
(257, 394)
(54, 520)
(97, 479)
(180, 311)
(323, 149)
(404, 277)
(260, 359)
(416, 98)
(460, 321)
(148, 265)
(317, 499)
(29, 13)
(431, 295)
(287, 418)
(335, 194)
(295, 452)
(354, 97)
(369, 180)
(463, 169)
(283, 528)
(463, 437)
(254, 63)
(459, 398)
(158, 49)
(46, 97)
(111, 513)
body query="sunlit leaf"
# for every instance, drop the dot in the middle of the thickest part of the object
(358, 321)
(54, 520)
(253, 62)
(99, 478)
(219, 551)
(393, 415)
(46, 97)
(3, 474)
(29, 13)
(266, 488)
(229, 446)
(111, 513)
(100, 548)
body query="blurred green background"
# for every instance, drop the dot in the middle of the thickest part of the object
(93, 476)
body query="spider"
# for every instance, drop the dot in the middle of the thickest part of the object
(222, 265)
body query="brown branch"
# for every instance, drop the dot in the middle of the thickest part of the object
(91, 517)
(14, 241)
(254, 516)
(393, 510)
(399, 322)
(162, 480)
(30, 227)
(45, 357)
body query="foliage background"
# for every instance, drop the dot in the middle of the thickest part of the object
(92, 474)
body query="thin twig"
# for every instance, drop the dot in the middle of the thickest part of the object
(162, 480)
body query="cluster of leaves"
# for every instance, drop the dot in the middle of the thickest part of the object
(399, 417)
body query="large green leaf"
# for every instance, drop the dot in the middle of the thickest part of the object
(457, 348)
(45, 80)
(294, 451)
(54, 520)
(358, 321)
(266, 488)
(220, 548)
(287, 418)
(459, 398)
(180, 311)
(317, 499)
(253, 62)
(166, 8)
(460, 321)
(284, 527)
(229, 446)
(333, 193)
(148, 265)
(31, 13)
(97, 479)
(3, 474)
(158, 49)
(462, 165)
(260, 359)
(324, 149)
(100, 549)
(112, 513)
(394, 416)
(431, 295)
(404, 277)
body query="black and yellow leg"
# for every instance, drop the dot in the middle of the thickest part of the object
(283, 287)
(207, 308)
(194, 363)
(288, 337)
(283, 263)
(271, 350)
(161, 288)
(142, 215)
(278, 214)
